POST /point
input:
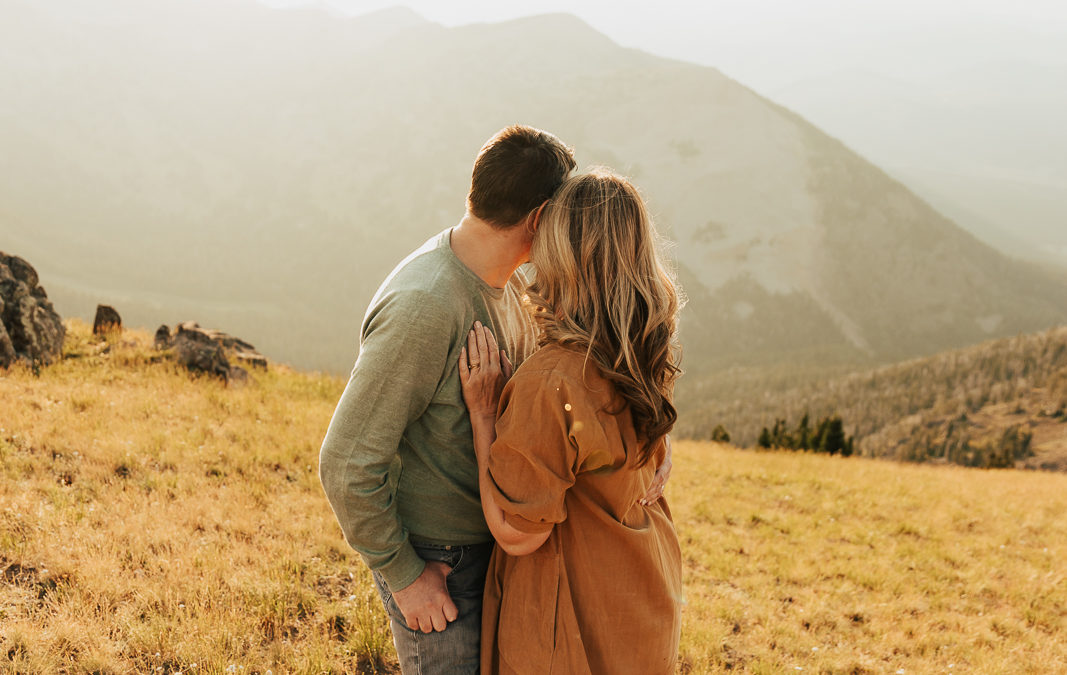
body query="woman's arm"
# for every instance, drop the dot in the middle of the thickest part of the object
(483, 370)
(659, 481)
(514, 542)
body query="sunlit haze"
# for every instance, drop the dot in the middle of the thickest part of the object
(960, 101)
(228, 160)
(766, 44)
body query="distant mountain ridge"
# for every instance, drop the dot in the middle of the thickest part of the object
(262, 171)
(984, 144)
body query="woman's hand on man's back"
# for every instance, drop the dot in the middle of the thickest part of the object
(483, 370)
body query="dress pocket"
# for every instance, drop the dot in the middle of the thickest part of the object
(528, 601)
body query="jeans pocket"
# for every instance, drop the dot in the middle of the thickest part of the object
(388, 602)
(457, 560)
(449, 555)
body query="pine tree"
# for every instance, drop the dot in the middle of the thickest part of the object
(720, 435)
(776, 433)
(848, 449)
(834, 440)
(764, 438)
(803, 434)
(818, 443)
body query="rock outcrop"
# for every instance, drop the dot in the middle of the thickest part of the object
(163, 339)
(107, 320)
(30, 329)
(209, 351)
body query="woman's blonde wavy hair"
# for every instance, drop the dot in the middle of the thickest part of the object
(601, 287)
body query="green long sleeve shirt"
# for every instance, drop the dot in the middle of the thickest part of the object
(397, 463)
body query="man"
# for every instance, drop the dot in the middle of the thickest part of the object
(398, 463)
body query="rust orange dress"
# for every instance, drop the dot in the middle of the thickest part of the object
(602, 595)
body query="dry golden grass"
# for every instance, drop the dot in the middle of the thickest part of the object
(150, 521)
(154, 520)
(800, 562)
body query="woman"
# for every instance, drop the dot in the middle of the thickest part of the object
(586, 577)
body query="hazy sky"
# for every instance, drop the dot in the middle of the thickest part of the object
(771, 43)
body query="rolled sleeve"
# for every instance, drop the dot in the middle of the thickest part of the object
(532, 462)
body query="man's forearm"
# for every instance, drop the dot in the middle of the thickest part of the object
(362, 500)
(404, 349)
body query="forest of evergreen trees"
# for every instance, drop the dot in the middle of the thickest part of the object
(828, 436)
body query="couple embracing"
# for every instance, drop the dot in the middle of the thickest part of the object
(499, 453)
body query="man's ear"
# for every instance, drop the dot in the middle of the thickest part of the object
(535, 217)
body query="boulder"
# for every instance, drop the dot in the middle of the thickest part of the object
(107, 320)
(163, 339)
(203, 357)
(235, 347)
(209, 351)
(237, 375)
(30, 329)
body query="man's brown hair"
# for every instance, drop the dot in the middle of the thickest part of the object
(516, 171)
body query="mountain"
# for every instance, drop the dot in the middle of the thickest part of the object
(261, 171)
(983, 144)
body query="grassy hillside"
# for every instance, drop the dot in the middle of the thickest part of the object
(918, 410)
(150, 521)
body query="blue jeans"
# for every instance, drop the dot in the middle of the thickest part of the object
(457, 649)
